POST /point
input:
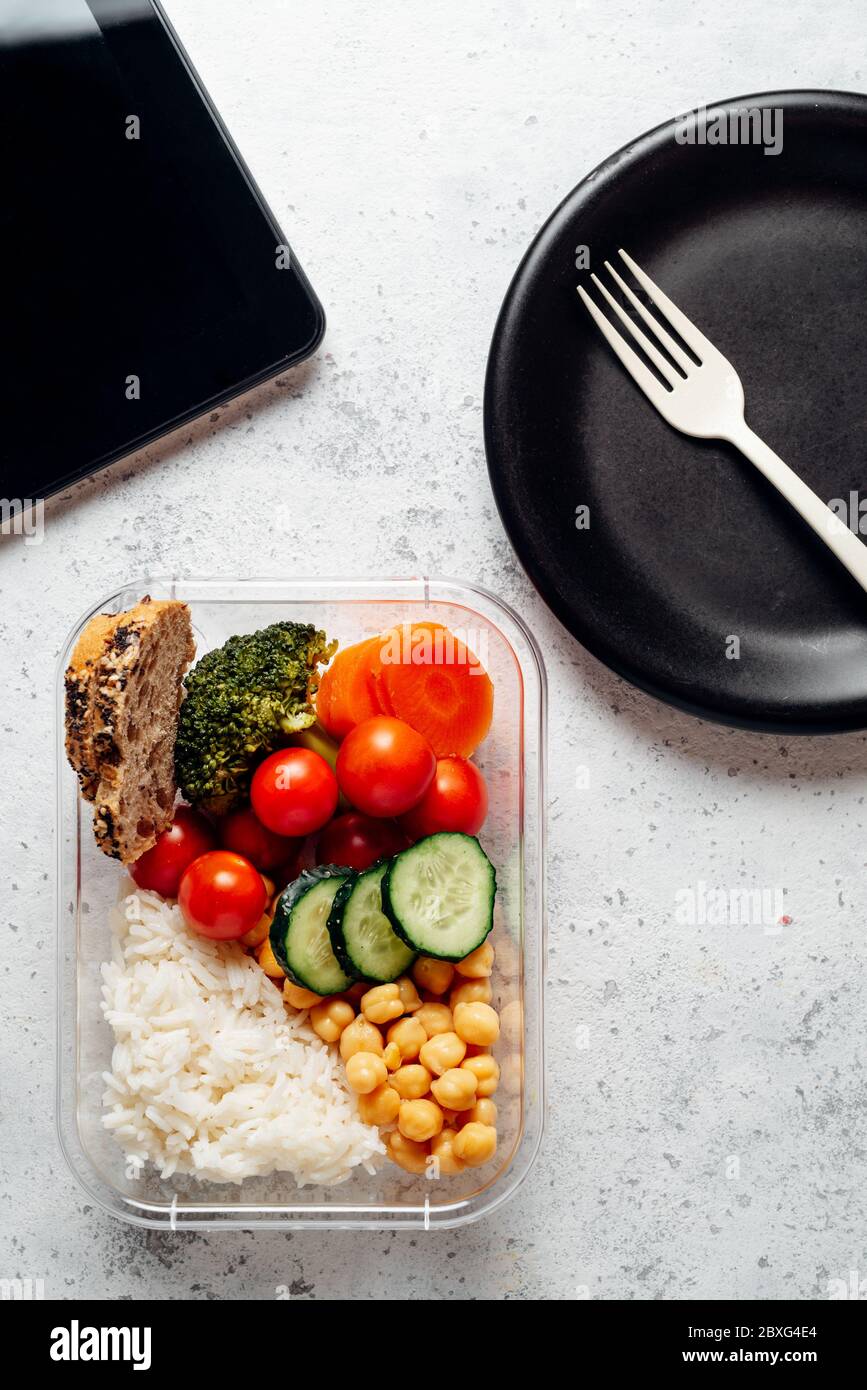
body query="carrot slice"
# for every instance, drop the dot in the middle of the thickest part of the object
(348, 689)
(380, 693)
(358, 699)
(377, 684)
(324, 696)
(432, 681)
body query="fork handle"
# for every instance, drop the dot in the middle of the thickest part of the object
(850, 551)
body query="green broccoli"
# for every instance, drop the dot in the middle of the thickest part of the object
(243, 701)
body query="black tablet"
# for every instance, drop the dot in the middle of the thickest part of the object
(144, 279)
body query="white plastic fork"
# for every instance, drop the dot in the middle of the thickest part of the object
(706, 400)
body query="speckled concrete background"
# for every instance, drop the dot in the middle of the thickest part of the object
(709, 1140)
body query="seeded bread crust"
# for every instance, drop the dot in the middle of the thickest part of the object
(80, 686)
(123, 694)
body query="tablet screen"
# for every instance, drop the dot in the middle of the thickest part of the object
(144, 280)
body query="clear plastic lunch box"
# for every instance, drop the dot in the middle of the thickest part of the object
(513, 761)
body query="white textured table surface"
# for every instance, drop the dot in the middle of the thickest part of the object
(411, 151)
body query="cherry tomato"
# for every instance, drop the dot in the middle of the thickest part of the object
(294, 792)
(384, 767)
(457, 799)
(161, 868)
(357, 841)
(222, 895)
(243, 832)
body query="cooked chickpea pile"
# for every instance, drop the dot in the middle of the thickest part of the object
(417, 1054)
(420, 1063)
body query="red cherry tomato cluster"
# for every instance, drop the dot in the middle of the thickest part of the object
(389, 774)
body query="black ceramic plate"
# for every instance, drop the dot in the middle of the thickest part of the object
(687, 546)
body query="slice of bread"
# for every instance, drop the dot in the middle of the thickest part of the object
(123, 694)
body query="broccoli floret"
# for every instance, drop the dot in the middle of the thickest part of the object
(242, 701)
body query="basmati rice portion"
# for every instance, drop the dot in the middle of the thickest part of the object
(211, 1074)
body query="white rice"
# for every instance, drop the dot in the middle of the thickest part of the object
(211, 1074)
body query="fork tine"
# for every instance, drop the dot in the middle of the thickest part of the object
(666, 339)
(687, 330)
(661, 363)
(631, 361)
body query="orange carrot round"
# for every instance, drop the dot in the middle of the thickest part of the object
(432, 681)
(346, 692)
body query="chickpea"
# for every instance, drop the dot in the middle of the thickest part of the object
(486, 1071)
(391, 1056)
(419, 1120)
(365, 1071)
(442, 1051)
(477, 1023)
(409, 1036)
(478, 963)
(268, 961)
(455, 1089)
(484, 1112)
(256, 935)
(380, 1107)
(381, 1004)
(471, 992)
(300, 998)
(329, 1019)
(412, 1082)
(269, 886)
(475, 1144)
(434, 1018)
(408, 994)
(442, 1149)
(432, 974)
(406, 1153)
(512, 1022)
(360, 1036)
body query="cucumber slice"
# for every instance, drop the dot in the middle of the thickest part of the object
(439, 895)
(362, 937)
(299, 931)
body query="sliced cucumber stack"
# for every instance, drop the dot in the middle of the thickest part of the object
(299, 931)
(439, 895)
(362, 937)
